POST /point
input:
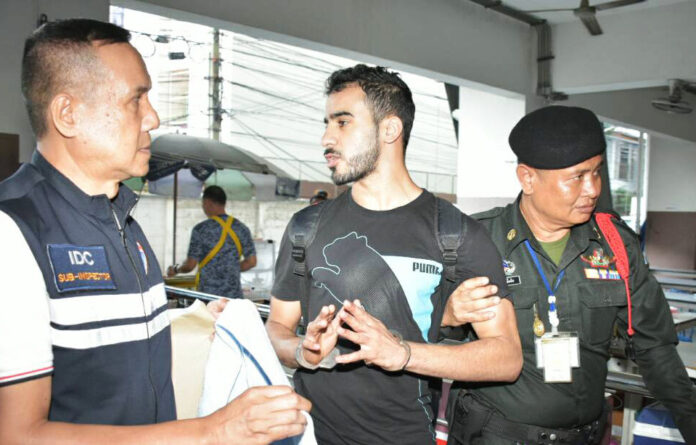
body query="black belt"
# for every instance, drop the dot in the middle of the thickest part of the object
(491, 421)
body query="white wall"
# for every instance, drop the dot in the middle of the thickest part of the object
(486, 169)
(18, 19)
(638, 49)
(672, 175)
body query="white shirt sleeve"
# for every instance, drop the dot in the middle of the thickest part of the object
(25, 331)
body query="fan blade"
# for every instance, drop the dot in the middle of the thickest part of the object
(548, 10)
(689, 87)
(616, 4)
(591, 23)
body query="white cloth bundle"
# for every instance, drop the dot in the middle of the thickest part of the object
(241, 357)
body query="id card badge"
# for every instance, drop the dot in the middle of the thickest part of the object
(557, 354)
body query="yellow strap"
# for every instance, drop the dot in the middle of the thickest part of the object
(226, 230)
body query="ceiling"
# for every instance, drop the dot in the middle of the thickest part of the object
(567, 16)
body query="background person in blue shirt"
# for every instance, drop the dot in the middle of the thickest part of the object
(221, 246)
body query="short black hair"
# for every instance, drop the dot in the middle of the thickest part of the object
(215, 194)
(59, 55)
(385, 91)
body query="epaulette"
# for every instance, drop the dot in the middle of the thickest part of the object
(620, 224)
(488, 214)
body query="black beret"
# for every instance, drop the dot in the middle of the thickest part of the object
(557, 137)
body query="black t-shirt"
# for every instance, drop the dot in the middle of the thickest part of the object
(391, 261)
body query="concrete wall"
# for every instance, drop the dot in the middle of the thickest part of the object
(640, 48)
(266, 220)
(18, 19)
(671, 175)
(633, 107)
(450, 40)
(671, 238)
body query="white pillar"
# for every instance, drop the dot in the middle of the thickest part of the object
(486, 165)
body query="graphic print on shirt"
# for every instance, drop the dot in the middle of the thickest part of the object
(355, 270)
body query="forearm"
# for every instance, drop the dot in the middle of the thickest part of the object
(666, 378)
(57, 433)
(284, 341)
(248, 263)
(488, 359)
(187, 266)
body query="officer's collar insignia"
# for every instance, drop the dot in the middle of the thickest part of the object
(511, 234)
(509, 267)
(598, 258)
(597, 234)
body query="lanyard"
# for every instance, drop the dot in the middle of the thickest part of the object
(553, 312)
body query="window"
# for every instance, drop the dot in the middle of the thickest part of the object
(626, 160)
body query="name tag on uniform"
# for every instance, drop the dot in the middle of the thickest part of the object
(80, 267)
(557, 354)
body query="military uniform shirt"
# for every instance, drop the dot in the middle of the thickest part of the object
(591, 299)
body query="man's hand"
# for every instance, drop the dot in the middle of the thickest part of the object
(469, 301)
(321, 336)
(216, 307)
(378, 346)
(260, 415)
(171, 271)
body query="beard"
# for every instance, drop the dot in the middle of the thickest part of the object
(359, 165)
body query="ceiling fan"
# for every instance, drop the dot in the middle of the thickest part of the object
(673, 103)
(587, 13)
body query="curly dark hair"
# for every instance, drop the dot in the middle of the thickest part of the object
(387, 94)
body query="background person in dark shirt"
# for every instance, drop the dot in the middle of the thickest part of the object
(221, 246)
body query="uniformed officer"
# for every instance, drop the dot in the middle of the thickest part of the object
(85, 350)
(569, 293)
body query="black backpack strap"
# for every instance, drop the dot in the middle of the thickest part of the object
(450, 230)
(303, 228)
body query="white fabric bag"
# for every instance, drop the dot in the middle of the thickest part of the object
(242, 357)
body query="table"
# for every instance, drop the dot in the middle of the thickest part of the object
(629, 381)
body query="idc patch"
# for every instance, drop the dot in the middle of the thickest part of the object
(80, 267)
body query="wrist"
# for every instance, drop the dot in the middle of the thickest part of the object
(299, 358)
(406, 347)
(446, 320)
(327, 362)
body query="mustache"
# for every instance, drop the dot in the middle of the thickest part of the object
(330, 151)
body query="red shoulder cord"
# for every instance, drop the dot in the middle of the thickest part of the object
(617, 246)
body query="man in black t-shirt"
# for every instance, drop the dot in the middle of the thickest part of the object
(372, 290)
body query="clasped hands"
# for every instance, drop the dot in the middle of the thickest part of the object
(378, 345)
(471, 302)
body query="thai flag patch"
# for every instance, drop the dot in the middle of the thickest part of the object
(143, 257)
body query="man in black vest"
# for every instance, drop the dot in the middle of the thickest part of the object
(85, 343)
